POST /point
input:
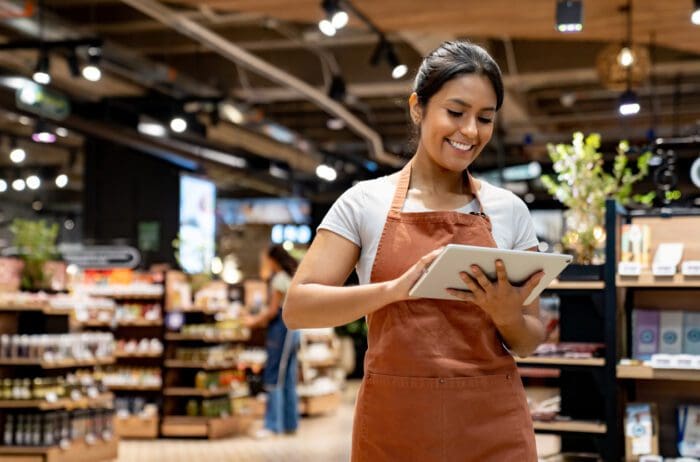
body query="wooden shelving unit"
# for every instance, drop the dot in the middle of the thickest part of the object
(650, 373)
(102, 400)
(648, 280)
(191, 391)
(562, 361)
(173, 337)
(576, 285)
(136, 427)
(121, 354)
(178, 364)
(571, 426)
(208, 427)
(319, 405)
(78, 451)
(134, 387)
(56, 365)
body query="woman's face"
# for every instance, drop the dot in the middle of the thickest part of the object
(457, 122)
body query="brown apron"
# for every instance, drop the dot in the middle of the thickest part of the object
(438, 385)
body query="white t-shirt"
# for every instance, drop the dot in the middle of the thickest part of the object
(281, 282)
(360, 212)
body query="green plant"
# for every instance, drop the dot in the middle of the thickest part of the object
(583, 185)
(36, 243)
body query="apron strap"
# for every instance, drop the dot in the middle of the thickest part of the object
(405, 179)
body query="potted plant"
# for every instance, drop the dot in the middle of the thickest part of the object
(582, 185)
(35, 242)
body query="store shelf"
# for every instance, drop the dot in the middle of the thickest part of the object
(576, 285)
(55, 365)
(64, 403)
(210, 427)
(134, 387)
(318, 405)
(648, 280)
(205, 338)
(539, 372)
(561, 361)
(191, 391)
(78, 451)
(134, 296)
(330, 362)
(178, 364)
(132, 323)
(194, 309)
(136, 427)
(572, 426)
(649, 373)
(121, 354)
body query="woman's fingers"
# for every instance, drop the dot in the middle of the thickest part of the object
(471, 283)
(461, 294)
(481, 278)
(501, 273)
(532, 283)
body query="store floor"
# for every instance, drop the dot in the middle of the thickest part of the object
(319, 439)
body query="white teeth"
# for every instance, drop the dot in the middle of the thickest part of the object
(460, 146)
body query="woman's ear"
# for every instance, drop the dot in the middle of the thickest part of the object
(415, 108)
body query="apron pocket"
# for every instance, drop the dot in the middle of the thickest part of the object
(486, 420)
(399, 420)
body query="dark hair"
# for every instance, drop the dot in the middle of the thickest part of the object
(452, 59)
(282, 257)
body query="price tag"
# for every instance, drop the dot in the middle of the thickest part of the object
(691, 268)
(625, 268)
(663, 269)
(683, 361)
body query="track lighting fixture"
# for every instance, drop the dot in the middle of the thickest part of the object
(41, 72)
(569, 16)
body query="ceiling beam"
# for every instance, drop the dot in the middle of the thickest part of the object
(236, 54)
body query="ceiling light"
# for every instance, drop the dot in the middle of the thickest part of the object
(385, 51)
(231, 112)
(335, 123)
(152, 129)
(625, 58)
(695, 16)
(3, 186)
(42, 134)
(569, 16)
(629, 105)
(33, 182)
(326, 172)
(37, 206)
(178, 124)
(399, 71)
(326, 27)
(340, 19)
(62, 132)
(18, 184)
(41, 73)
(62, 180)
(92, 73)
(17, 155)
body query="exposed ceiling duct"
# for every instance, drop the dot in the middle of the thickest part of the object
(238, 55)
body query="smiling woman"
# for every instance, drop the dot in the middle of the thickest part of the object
(432, 365)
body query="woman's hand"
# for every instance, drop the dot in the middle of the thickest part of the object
(501, 300)
(401, 286)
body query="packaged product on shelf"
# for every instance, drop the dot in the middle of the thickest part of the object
(645, 332)
(689, 430)
(641, 434)
(549, 315)
(691, 333)
(635, 243)
(671, 332)
(56, 427)
(57, 347)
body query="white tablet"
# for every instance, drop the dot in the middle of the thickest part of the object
(443, 273)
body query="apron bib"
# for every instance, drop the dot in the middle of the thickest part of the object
(438, 385)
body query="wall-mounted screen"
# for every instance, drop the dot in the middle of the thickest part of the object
(197, 223)
(268, 211)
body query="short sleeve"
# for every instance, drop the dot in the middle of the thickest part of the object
(281, 282)
(344, 217)
(524, 236)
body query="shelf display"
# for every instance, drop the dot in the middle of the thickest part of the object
(57, 427)
(57, 348)
(132, 377)
(134, 348)
(321, 378)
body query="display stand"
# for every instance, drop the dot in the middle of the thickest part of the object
(319, 364)
(93, 447)
(665, 387)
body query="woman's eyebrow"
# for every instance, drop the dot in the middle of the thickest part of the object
(461, 102)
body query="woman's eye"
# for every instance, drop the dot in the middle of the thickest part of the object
(485, 120)
(454, 113)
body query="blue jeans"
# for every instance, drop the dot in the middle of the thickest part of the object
(280, 378)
